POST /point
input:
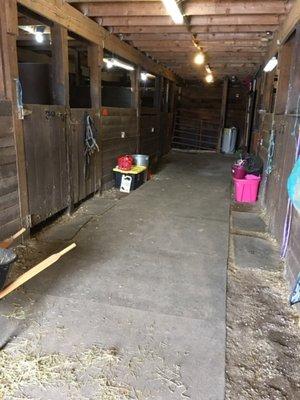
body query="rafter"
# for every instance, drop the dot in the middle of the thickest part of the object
(156, 8)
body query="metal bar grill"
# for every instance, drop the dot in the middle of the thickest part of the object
(193, 133)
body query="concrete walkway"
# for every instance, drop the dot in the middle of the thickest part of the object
(147, 279)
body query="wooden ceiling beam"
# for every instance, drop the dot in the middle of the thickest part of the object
(157, 8)
(236, 20)
(226, 55)
(232, 28)
(200, 36)
(166, 43)
(196, 20)
(234, 7)
(211, 50)
(148, 29)
(122, 9)
(135, 21)
(195, 29)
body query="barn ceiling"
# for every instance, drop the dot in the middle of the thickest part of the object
(233, 34)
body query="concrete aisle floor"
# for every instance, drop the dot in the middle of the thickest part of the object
(148, 279)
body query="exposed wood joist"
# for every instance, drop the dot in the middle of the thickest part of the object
(186, 58)
(190, 8)
(245, 36)
(195, 20)
(194, 29)
(188, 44)
(243, 28)
(72, 19)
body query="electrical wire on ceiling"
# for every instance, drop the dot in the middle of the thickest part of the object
(200, 57)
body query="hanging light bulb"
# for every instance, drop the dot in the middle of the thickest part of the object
(39, 37)
(39, 34)
(199, 58)
(209, 78)
(144, 76)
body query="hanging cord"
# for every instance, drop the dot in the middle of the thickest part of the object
(271, 150)
(90, 143)
(289, 210)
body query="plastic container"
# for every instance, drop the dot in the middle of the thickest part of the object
(141, 160)
(238, 171)
(229, 140)
(125, 163)
(7, 257)
(246, 190)
(138, 176)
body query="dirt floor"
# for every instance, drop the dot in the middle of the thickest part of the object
(263, 335)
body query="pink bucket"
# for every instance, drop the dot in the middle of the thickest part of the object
(246, 190)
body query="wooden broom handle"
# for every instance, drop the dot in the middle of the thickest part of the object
(34, 271)
(6, 243)
(19, 233)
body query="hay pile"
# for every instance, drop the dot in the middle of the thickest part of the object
(82, 376)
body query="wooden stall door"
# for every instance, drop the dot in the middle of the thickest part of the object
(46, 160)
(86, 177)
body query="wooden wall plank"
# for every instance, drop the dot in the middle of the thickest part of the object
(9, 31)
(121, 120)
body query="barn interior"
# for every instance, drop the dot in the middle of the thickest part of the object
(175, 277)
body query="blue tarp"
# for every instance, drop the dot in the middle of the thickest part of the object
(293, 185)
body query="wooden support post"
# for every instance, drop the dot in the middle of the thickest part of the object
(157, 93)
(9, 59)
(60, 92)
(172, 108)
(223, 112)
(159, 105)
(95, 62)
(60, 65)
(95, 59)
(136, 96)
(294, 86)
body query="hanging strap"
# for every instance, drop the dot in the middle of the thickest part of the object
(90, 142)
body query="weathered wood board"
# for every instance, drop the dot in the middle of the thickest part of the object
(118, 133)
(9, 194)
(150, 132)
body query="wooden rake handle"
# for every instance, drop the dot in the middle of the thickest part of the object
(6, 243)
(34, 271)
